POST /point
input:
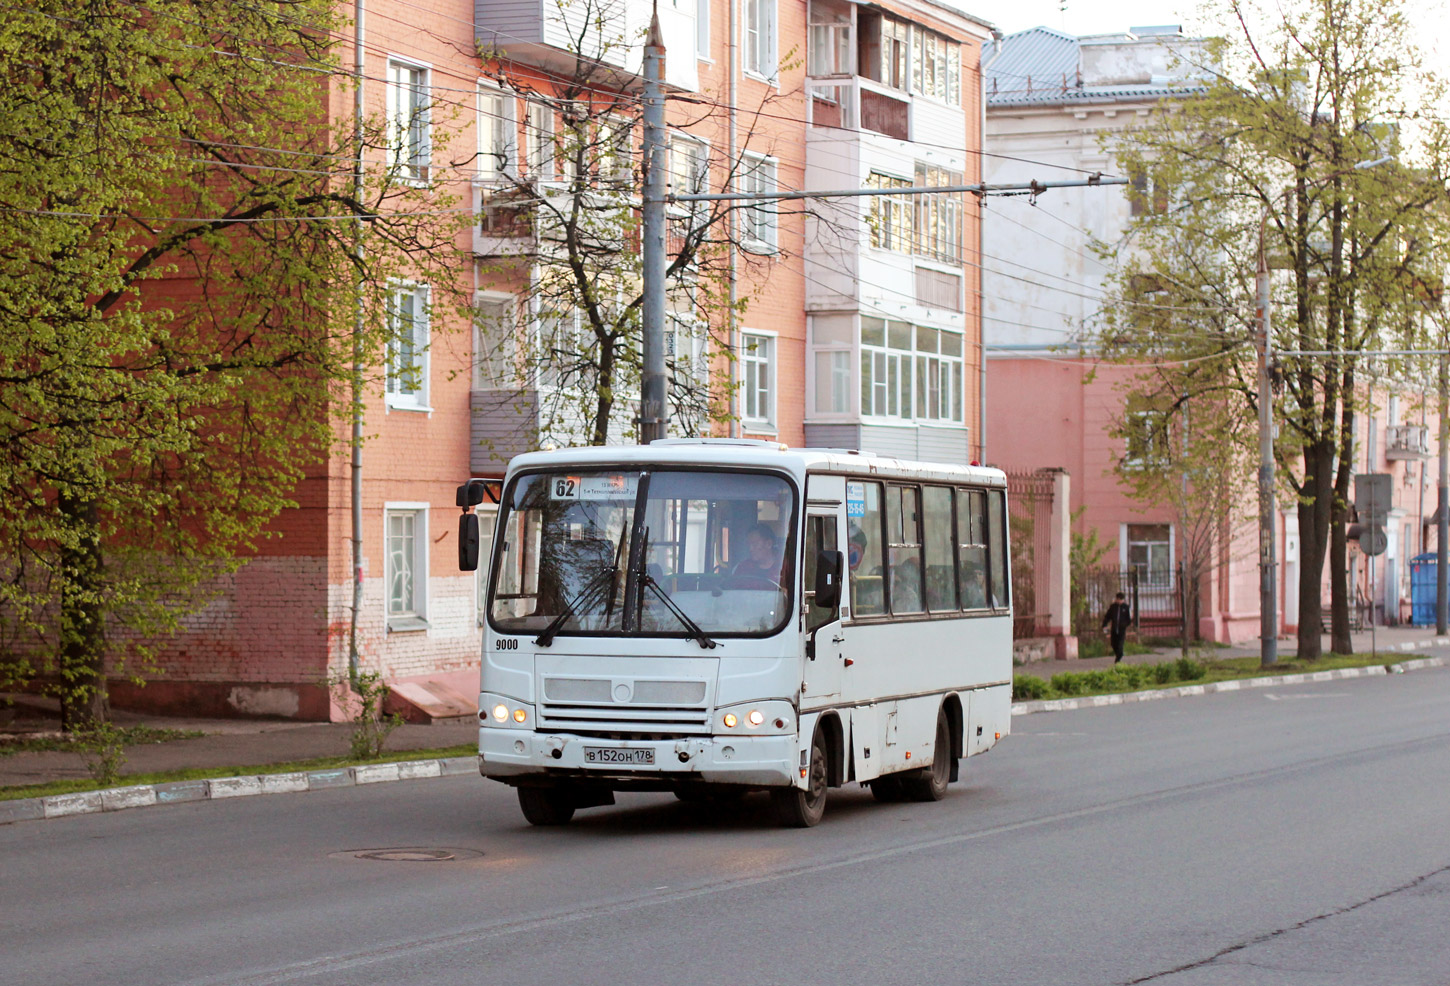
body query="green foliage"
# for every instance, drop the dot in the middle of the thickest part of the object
(1026, 688)
(1267, 159)
(371, 726)
(103, 747)
(180, 274)
(1162, 674)
(1187, 669)
(1085, 552)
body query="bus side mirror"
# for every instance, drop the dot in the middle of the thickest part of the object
(829, 565)
(468, 542)
(471, 493)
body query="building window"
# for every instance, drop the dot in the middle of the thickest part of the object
(1145, 438)
(616, 143)
(758, 230)
(829, 43)
(833, 382)
(891, 215)
(407, 324)
(407, 109)
(702, 29)
(759, 42)
(910, 372)
(1147, 192)
(939, 216)
(406, 531)
(895, 36)
(497, 136)
(1150, 552)
(542, 154)
(757, 365)
(935, 66)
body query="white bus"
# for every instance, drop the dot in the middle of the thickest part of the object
(670, 617)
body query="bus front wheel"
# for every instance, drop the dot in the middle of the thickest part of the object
(795, 808)
(546, 805)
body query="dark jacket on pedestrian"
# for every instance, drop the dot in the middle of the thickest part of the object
(1117, 619)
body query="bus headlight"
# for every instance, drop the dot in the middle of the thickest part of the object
(756, 719)
(505, 712)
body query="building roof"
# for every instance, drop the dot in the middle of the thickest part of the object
(1044, 67)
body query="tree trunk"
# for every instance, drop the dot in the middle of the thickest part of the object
(1314, 507)
(81, 659)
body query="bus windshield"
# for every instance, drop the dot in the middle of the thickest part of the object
(711, 554)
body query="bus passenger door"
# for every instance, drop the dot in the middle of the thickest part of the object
(824, 659)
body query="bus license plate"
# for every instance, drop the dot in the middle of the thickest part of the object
(608, 754)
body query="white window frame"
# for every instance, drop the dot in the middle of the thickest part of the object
(498, 135)
(490, 302)
(914, 367)
(487, 524)
(758, 221)
(409, 96)
(1146, 583)
(415, 617)
(1141, 426)
(758, 47)
(399, 395)
(616, 152)
(702, 30)
(758, 418)
(539, 137)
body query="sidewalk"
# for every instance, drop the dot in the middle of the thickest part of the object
(227, 743)
(1392, 642)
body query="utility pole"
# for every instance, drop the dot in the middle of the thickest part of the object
(653, 414)
(1268, 594)
(1442, 509)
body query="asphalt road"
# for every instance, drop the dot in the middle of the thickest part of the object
(1298, 835)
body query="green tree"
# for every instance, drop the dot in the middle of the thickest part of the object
(192, 264)
(1298, 101)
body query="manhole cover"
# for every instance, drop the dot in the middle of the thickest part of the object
(408, 854)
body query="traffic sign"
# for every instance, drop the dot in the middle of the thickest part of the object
(1372, 494)
(1373, 540)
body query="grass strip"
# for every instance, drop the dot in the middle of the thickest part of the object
(129, 736)
(1122, 678)
(75, 785)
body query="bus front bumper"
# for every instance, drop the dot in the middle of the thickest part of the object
(766, 761)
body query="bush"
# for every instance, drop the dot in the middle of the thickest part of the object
(1133, 676)
(1028, 688)
(103, 748)
(1067, 683)
(1188, 669)
(1162, 673)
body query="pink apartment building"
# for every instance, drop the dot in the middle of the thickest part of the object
(861, 326)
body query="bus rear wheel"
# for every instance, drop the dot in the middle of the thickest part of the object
(799, 809)
(546, 805)
(931, 783)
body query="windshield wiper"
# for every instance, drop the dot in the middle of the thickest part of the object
(696, 631)
(591, 588)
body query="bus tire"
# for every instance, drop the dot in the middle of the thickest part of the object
(546, 805)
(799, 809)
(931, 784)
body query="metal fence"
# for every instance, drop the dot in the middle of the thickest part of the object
(1156, 604)
(1031, 536)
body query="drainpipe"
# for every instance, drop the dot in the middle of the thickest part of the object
(981, 224)
(359, 318)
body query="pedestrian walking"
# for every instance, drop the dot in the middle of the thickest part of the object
(1116, 620)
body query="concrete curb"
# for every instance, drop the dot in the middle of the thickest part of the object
(1184, 691)
(176, 792)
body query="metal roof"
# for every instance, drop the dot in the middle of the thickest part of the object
(1041, 66)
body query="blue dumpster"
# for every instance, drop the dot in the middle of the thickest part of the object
(1422, 589)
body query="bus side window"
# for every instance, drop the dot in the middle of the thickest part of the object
(997, 547)
(903, 526)
(865, 557)
(972, 549)
(820, 536)
(941, 563)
